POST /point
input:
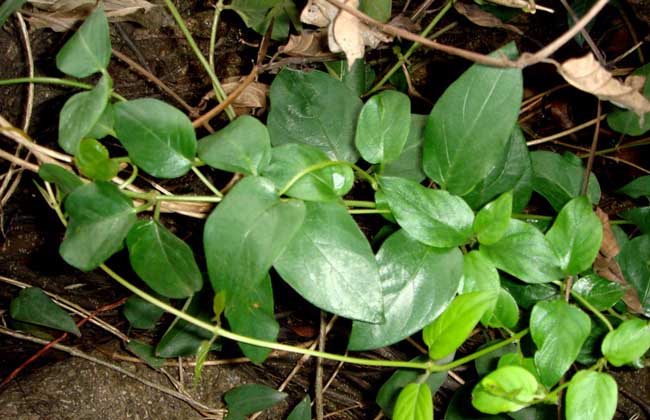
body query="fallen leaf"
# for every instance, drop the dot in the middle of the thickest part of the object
(253, 96)
(307, 44)
(480, 17)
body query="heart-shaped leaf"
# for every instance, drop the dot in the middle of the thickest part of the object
(591, 396)
(250, 398)
(414, 403)
(34, 306)
(627, 343)
(507, 389)
(492, 220)
(409, 164)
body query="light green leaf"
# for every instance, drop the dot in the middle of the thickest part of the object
(163, 261)
(142, 314)
(242, 146)
(454, 325)
(470, 126)
(330, 263)
(302, 411)
(628, 122)
(414, 403)
(159, 138)
(627, 343)
(507, 389)
(417, 284)
(32, 305)
(576, 235)
(491, 222)
(433, 217)
(94, 162)
(201, 356)
(505, 313)
(316, 109)
(377, 9)
(634, 260)
(81, 113)
(250, 398)
(599, 292)
(479, 274)
(638, 187)
(145, 352)
(8, 7)
(558, 330)
(66, 180)
(409, 163)
(89, 49)
(591, 396)
(100, 218)
(383, 126)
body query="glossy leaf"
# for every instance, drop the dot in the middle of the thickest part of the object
(104, 126)
(302, 411)
(558, 330)
(491, 222)
(591, 396)
(147, 125)
(505, 313)
(64, 179)
(417, 284)
(640, 216)
(8, 7)
(409, 164)
(507, 389)
(634, 260)
(94, 162)
(142, 314)
(250, 398)
(145, 352)
(599, 292)
(470, 126)
(524, 253)
(628, 122)
(559, 178)
(358, 79)
(590, 351)
(527, 295)
(490, 361)
(89, 49)
(383, 126)
(34, 306)
(376, 9)
(414, 403)
(81, 113)
(329, 262)
(479, 274)
(627, 343)
(316, 109)
(433, 217)
(638, 187)
(242, 146)
(162, 260)
(325, 184)
(459, 409)
(100, 218)
(454, 325)
(575, 236)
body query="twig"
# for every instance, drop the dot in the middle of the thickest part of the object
(18, 161)
(566, 132)
(592, 152)
(318, 386)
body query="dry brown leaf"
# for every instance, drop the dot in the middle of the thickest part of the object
(588, 75)
(480, 17)
(307, 44)
(253, 96)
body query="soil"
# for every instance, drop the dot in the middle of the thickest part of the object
(57, 386)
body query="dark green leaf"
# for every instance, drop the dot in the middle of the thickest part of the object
(377, 9)
(383, 126)
(159, 138)
(243, 146)
(414, 403)
(590, 350)
(32, 305)
(302, 411)
(80, 114)
(104, 126)
(326, 184)
(627, 343)
(505, 313)
(382, 204)
(145, 352)
(142, 314)
(576, 235)
(250, 398)
(89, 49)
(507, 389)
(599, 292)
(528, 295)
(470, 126)
(330, 263)
(628, 122)
(524, 253)
(100, 218)
(8, 7)
(634, 260)
(162, 260)
(640, 216)
(580, 7)
(358, 79)
(411, 300)
(591, 396)
(536, 412)
(559, 178)
(490, 361)
(433, 217)
(558, 330)
(316, 109)
(459, 409)
(638, 187)
(491, 222)
(94, 162)
(66, 180)
(409, 163)
(258, 14)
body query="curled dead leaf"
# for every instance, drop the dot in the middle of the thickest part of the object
(480, 17)
(253, 96)
(307, 44)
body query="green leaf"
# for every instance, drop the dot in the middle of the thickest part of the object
(576, 235)
(640, 216)
(479, 274)
(100, 218)
(470, 126)
(524, 253)
(390, 390)
(507, 389)
(411, 299)
(250, 398)
(454, 325)
(201, 356)
(258, 14)
(591, 396)
(638, 187)
(536, 412)
(527, 295)
(219, 305)
(316, 109)
(491, 222)
(490, 361)
(517, 359)
(66, 180)
(505, 313)
(94, 162)
(358, 79)
(81, 113)
(627, 343)
(409, 163)
(590, 351)
(326, 184)
(433, 217)
(559, 178)
(142, 314)
(459, 409)
(242, 146)
(89, 49)
(634, 260)
(329, 262)
(627, 122)
(514, 172)
(302, 411)
(32, 305)
(104, 126)
(8, 7)
(383, 126)
(382, 204)
(377, 9)
(145, 352)
(163, 261)
(558, 330)
(159, 138)
(599, 292)
(414, 403)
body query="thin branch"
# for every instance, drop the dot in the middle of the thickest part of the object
(565, 133)
(592, 151)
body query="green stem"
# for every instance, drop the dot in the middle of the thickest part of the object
(207, 182)
(218, 90)
(326, 164)
(363, 204)
(369, 211)
(411, 50)
(55, 81)
(642, 142)
(524, 216)
(218, 8)
(190, 198)
(131, 178)
(592, 309)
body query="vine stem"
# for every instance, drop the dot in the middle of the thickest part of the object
(206, 182)
(592, 309)
(321, 165)
(56, 81)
